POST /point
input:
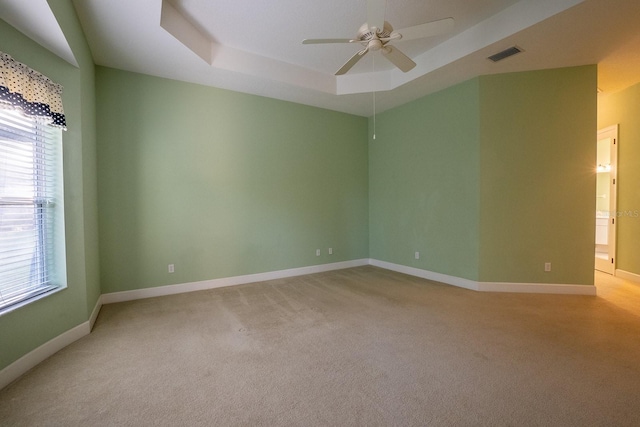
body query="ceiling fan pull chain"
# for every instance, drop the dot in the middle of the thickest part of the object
(374, 100)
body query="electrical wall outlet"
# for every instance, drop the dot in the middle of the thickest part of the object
(171, 268)
(317, 252)
(417, 255)
(547, 266)
(330, 251)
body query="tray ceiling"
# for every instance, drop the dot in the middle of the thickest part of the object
(255, 47)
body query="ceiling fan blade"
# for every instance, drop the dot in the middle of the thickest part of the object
(428, 29)
(398, 58)
(321, 41)
(375, 13)
(351, 62)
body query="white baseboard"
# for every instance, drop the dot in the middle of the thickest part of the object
(537, 288)
(226, 281)
(95, 312)
(426, 274)
(280, 274)
(625, 275)
(34, 357)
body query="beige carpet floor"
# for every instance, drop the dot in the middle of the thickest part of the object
(362, 346)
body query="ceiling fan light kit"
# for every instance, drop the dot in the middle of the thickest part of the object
(377, 34)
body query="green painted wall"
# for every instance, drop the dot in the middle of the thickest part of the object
(31, 326)
(221, 183)
(424, 183)
(538, 179)
(623, 108)
(490, 179)
(537, 176)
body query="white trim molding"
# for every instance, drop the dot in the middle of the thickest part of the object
(426, 274)
(538, 288)
(626, 275)
(95, 312)
(34, 357)
(226, 281)
(534, 288)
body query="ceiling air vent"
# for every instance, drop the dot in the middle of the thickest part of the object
(505, 54)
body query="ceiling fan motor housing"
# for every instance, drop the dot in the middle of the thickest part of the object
(365, 33)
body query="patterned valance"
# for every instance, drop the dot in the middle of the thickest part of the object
(29, 91)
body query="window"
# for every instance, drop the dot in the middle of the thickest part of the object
(30, 208)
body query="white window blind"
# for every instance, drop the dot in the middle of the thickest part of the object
(28, 173)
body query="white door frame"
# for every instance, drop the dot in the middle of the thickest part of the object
(609, 265)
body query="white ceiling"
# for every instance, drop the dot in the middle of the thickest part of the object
(34, 19)
(255, 47)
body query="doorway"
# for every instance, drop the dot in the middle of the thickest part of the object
(606, 180)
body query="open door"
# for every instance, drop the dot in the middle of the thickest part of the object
(606, 218)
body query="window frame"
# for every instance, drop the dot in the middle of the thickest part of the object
(48, 210)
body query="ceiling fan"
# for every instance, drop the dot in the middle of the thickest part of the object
(377, 34)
